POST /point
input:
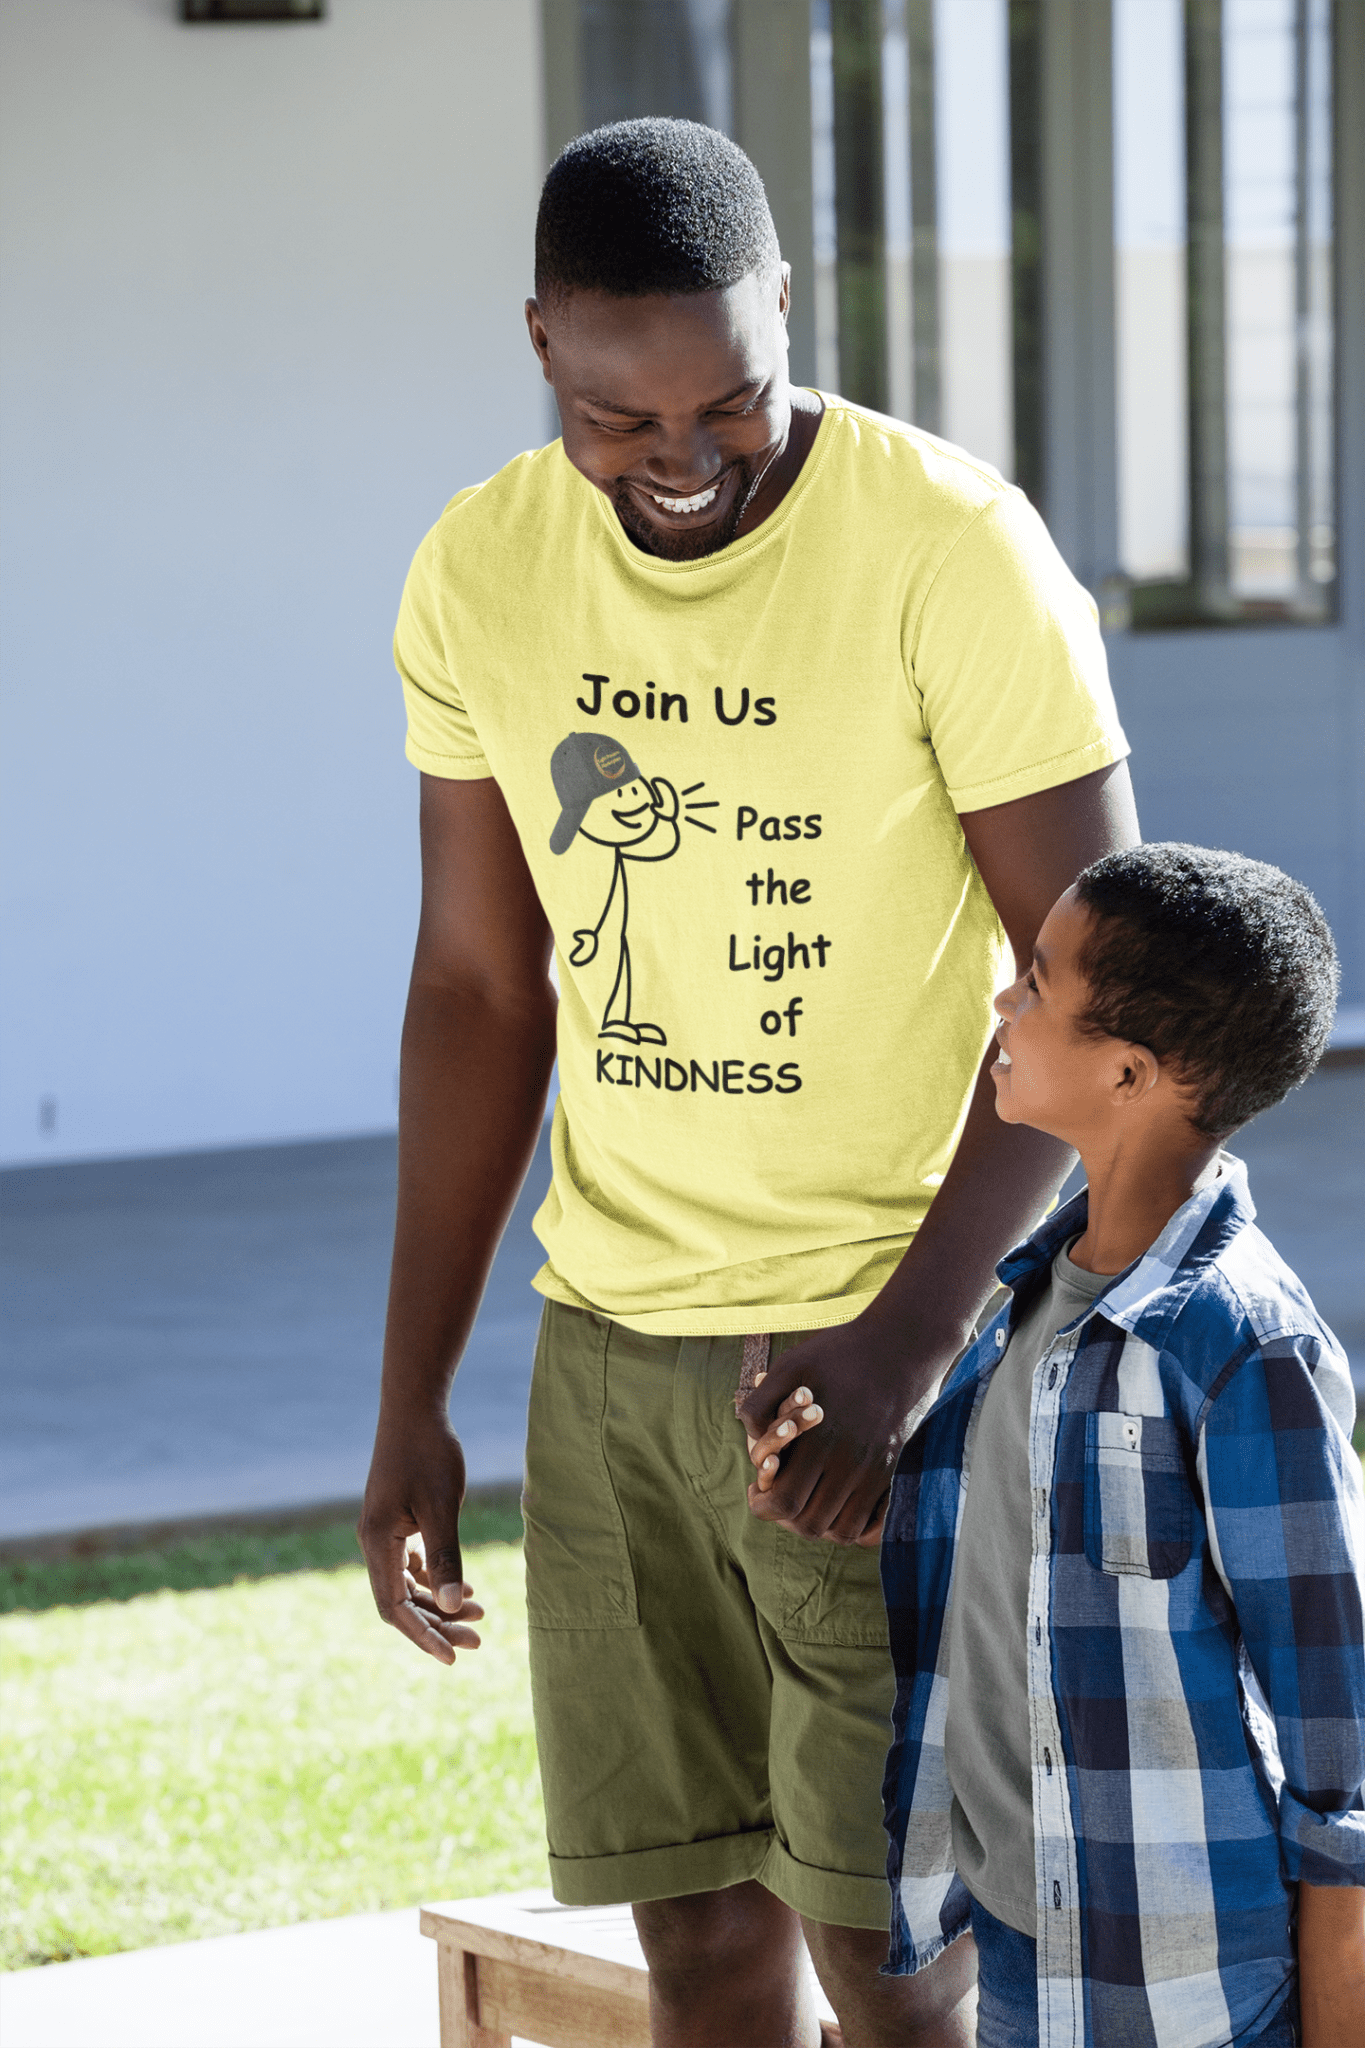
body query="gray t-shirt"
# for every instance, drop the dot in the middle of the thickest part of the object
(987, 1746)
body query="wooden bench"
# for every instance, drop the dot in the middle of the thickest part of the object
(519, 1965)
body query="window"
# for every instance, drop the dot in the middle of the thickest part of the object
(960, 283)
(910, 106)
(1223, 315)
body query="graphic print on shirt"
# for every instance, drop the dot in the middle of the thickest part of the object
(604, 796)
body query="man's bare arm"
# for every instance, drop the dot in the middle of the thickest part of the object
(478, 1047)
(868, 1374)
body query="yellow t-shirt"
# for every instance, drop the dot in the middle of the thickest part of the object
(736, 782)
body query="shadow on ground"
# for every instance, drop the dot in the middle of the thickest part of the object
(199, 1336)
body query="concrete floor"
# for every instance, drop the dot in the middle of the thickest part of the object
(200, 1335)
(368, 1981)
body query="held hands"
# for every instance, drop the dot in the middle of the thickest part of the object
(798, 1413)
(832, 1482)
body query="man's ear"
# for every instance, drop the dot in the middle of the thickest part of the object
(540, 340)
(784, 292)
(1138, 1071)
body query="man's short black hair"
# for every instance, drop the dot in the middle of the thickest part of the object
(1221, 965)
(651, 206)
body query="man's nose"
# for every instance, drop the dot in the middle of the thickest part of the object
(684, 459)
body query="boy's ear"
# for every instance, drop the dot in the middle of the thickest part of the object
(1138, 1073)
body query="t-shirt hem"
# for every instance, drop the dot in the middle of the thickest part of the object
(758, 1317)
(1051, 774)
(1003, 1909)
(454, 767)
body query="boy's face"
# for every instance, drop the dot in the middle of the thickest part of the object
(1050, 1074)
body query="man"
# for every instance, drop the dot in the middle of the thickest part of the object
(881, 701)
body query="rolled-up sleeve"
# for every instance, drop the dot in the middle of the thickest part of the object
(1287, 1522)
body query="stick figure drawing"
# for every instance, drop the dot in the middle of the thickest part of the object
(604, 796)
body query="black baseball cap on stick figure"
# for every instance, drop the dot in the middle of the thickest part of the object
(585, 766)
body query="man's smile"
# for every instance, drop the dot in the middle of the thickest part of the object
(702, 508)
(697, 504)
(629, 817)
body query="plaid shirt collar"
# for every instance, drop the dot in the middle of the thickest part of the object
(1152, 1291)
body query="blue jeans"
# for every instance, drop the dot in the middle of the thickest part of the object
(1007, 1993)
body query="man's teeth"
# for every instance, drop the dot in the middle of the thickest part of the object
(697, 504)
(1002, 1058)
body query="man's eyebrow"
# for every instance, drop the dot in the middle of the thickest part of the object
(631, 412)
(1040, 962)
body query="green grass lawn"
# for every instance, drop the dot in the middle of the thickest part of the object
(239, 1755)
(248, 1745)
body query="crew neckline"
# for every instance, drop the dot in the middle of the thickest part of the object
(1079, 1278)
(738, 550)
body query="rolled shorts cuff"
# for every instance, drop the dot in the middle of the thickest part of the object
(672, 1873)
(833, 1898)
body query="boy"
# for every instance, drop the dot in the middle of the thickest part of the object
(1122, 1557)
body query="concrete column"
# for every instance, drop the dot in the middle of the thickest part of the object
(771, 44)
(562, 69)
(860, 199)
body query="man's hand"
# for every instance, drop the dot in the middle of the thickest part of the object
(871, 1374)
(410, 1534)
(584, 948)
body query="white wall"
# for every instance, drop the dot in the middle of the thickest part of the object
(262, 317)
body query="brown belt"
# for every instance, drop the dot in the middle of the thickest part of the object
(753, 1365)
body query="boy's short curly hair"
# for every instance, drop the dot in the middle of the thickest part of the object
(649, 206)
(1222, 965)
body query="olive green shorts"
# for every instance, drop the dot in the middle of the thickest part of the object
(712, 1694)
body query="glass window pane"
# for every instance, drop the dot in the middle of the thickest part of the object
(1224, 318)
(1259, 223)
(971, 100)
(1149, 283)
(942, 210)
(1277, 129)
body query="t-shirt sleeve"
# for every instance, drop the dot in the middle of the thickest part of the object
(1009, 666)
(441, 737)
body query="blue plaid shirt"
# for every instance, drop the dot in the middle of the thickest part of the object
(1195, 1664)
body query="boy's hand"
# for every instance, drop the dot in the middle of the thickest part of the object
(797, 1414)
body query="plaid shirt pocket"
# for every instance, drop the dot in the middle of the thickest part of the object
(1137, 1496)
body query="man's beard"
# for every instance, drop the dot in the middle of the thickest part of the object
(680, 546)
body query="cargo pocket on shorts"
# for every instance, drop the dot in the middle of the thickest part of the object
(578, 1569)
(828, 1594)
(1137, 1496)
